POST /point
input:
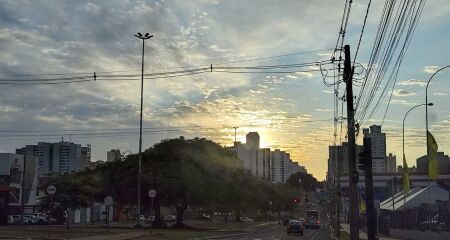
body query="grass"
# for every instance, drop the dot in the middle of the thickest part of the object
(344, 236)
(60, 232)
(53, 232)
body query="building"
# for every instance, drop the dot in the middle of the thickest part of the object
(113, 155)
(255, 160)
(410, 169)
(252, 140)
(443, 163)
(338, 157)
(378, 142)
(85, 157)
(279, 168)
(12, 167)
(391, 163)
(60, 157)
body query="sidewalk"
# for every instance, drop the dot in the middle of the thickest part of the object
(362, 235)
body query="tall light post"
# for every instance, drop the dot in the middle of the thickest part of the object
(143, 37)
(426, 112)
(405, 171)
(404, 118)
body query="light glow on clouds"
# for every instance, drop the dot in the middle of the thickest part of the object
(93, 36)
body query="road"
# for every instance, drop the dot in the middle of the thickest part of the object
(273, 232)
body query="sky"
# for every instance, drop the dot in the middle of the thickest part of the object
(291, 111)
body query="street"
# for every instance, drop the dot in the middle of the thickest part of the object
(273, 232)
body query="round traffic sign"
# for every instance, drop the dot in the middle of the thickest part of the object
(51, 190)
(108, 200)
(152, 193)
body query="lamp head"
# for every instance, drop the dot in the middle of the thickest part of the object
(430, 104)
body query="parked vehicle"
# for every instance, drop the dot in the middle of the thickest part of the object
(29, 219)
(246, 219)
(169, 218)
(294, 226)
(41, 218)
(432, 224)
(150, 219)
(13, 219)
(204, 216)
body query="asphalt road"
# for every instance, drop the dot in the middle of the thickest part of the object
(273, 232)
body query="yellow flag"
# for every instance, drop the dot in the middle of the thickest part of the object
(406, 186)
(433, 168)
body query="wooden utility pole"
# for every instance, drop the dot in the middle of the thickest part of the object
(353, 174)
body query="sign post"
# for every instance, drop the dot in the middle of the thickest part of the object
(108, 202)
(51, 190)
(152, 195)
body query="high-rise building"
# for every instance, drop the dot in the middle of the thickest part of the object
(279, 168)
(57, 158)
(378, 142)
(443, 164)
(113, 155)
(252, 140)
(85, 157)
(391, 163)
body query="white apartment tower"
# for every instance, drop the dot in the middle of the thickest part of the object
(378, 142)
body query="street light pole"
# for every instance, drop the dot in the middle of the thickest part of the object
(143, 37)
(404, 118)
(405, 171)
(426, 114)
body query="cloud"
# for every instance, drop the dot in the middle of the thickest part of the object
(413, 82)
(323, 110)
(430, 69)
(305, 74)
(327, 91)
(291, 76)
(402, 102)
(440, 94)
(92, 8)
(403, 93)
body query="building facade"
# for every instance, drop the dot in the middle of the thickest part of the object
(113, 155)
(443, 163)
(58, 158)
(391, 163)
(378, 142)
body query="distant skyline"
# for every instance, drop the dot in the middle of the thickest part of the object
(291, 111)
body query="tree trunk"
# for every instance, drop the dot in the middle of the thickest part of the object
(180, 212)
(157, 207)
(225, 217)
(237, 217)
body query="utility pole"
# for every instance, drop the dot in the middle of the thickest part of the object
(235, 134)
(22, 190)
(339, 195)
(353, 174)
(368, 176)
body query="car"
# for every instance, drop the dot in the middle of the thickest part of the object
(170, 218)
(246, 219)
(432, 224)
(294, 226)
(13, 219)
(41, 218)
(204, 216)
(312, 219)
(29, 219)
(10, 219)
(150, 219)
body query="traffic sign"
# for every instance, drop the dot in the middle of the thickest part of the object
(51, 190)
(108, 200)
(152, 193)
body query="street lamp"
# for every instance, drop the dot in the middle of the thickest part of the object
(404, 118)
(143, 37)
(426, 109)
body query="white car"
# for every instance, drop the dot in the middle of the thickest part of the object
(246, 219)
(29, 219)
(170, 218)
